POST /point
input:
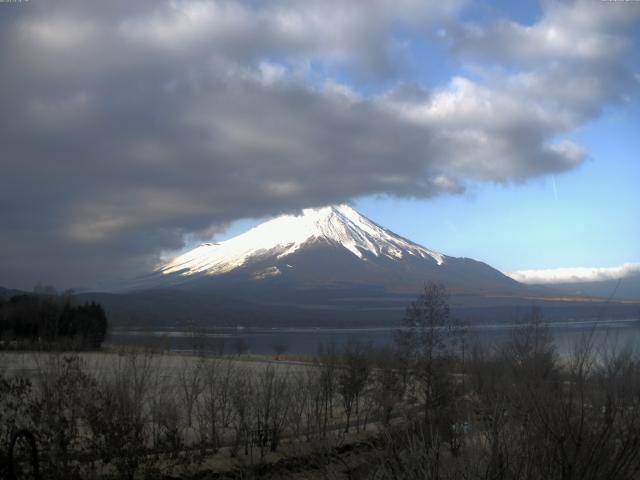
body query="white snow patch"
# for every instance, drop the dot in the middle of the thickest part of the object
(267, 272)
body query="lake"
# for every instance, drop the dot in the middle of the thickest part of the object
(309, 340)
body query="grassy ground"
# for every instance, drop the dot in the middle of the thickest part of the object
(296, 457)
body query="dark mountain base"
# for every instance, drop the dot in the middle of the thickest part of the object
(334, 308)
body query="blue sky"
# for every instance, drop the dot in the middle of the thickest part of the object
(587, 217)
(498, 130)
(591, 218)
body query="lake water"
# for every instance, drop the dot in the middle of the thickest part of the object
(308, 340)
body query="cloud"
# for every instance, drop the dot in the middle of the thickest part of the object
(129, 126)
(580, 31)
(570, 63)
(575, 275)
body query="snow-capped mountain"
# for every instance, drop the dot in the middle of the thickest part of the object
(338, 226)
(323, 267)
(330, 247)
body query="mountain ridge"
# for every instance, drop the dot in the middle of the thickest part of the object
(340, 224)
(328, 247)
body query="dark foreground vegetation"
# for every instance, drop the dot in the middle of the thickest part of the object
(46, 319)
(436, 406)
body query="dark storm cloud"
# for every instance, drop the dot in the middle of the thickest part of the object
(127, 125)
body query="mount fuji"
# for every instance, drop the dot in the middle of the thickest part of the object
(325, 249)
(328, 266)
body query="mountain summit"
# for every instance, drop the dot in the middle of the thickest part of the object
(325, 248)
(336, 226)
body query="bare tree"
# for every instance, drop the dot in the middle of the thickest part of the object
(531, 349)
(300, 402)
(16, 413)
(427, 342)
(315, 409)
(352, 378)
(243, 418)
(327, 381)
(272, 402)
(216, 406)
(57, 409)
(240, 346)
(389, 384)
(117, 414)
(280, 349)
(190, 381)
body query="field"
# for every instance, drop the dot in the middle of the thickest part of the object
(436, 407)
(184, 414)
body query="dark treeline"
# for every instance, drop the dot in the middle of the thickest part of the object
(47, 318)
(436, 406)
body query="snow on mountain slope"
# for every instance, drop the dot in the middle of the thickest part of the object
(284, 235)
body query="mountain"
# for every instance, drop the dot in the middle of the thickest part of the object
(326, 267)
(625, 288)
(329, 266)
(324, 251)
(621, 282)
(6, 293)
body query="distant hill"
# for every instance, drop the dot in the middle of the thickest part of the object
(6, 293)
(178, 308)
(623, 288)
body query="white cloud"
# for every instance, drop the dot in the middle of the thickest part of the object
(583, 30)
(490, 133)
(575, 275)
(59, 33)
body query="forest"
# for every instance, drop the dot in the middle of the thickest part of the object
(39, 320)
(436, 405)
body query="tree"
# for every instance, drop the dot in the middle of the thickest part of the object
(271, 405)
(241, 393)
(327, 363)
(427, 342)
(240, 345)
(91, 324)
(216, 408)
(388, 387)
(353, 378)
(190, 381)
(44, 317)
(531, 348)
(279, 349)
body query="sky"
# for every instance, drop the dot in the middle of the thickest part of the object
(501, 131)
